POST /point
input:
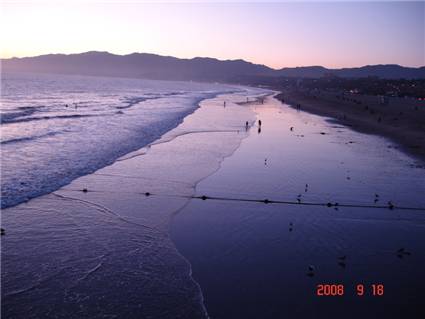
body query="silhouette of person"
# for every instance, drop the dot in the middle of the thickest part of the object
(259, 123)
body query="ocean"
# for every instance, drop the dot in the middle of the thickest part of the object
(107, 252)
(55, 128)
(179, 226)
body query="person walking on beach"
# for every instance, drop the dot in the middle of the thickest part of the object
(259, 123)
(246, 126)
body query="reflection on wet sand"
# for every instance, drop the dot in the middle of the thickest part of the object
(99, 247)
(284, 214)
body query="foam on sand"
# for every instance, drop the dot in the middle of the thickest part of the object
(100, 245)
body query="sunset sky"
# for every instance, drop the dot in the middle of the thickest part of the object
(332, 34)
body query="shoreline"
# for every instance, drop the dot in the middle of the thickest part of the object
(27, 195)
(112, 229)
(405, 126)
(129, 205)
(262, 250)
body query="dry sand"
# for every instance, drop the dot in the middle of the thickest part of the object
(401, 120)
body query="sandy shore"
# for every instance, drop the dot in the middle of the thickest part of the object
(401, 120)
(264, 259)
(103, 246)
(99, 247)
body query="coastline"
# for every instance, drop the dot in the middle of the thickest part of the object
(109, 229)
(47, 143)
(252, 258)
(402, 124)
(112, 229)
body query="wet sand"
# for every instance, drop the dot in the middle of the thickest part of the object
(100, 246)
(264, 259)
(402, 120)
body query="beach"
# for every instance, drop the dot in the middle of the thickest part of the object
(305, 202)
(190, 225)
(100, 246)
(56, 128)
(212, 159)
(402, 120)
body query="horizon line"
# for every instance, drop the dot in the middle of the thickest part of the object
(209, 57)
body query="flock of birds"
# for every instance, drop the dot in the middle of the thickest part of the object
(341, 260)
(311, 269)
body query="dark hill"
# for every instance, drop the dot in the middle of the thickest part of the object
(152, 66)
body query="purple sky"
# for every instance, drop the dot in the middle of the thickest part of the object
(332, 34)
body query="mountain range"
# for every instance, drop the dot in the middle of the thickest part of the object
(152, 66)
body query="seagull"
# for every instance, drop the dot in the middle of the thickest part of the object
(310, 272)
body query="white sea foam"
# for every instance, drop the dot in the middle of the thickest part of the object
(55, 128)
(106, 252)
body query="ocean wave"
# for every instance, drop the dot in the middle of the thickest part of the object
(130, 101)
(11, 116)
(28, 138)
(55, 145)
(41, 118)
